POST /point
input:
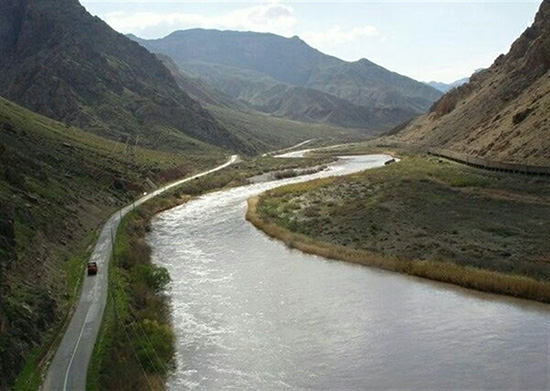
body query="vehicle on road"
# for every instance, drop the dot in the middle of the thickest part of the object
(92, 268)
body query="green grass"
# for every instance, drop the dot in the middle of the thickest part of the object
(30, 378)
(57, 186)
(135, 346)
(425, 209)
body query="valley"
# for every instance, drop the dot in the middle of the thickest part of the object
(58, 184)
(367, 255)
(289, 79)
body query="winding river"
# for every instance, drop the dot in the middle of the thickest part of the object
(251, 314)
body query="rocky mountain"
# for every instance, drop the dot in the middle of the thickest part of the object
(58, 60)
(503, 113)
(270, 73)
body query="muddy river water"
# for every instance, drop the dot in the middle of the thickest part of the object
(251, 314)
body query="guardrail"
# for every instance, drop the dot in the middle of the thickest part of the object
(490, 165)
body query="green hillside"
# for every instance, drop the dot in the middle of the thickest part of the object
(57, 185)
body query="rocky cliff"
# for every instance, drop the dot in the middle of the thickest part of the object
(503, 113)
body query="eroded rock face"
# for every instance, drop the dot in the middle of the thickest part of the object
(503, 112)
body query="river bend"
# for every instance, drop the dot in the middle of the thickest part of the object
(251, 314)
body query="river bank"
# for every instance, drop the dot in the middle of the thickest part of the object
(135, 345)
(250, 313)
(423, 217)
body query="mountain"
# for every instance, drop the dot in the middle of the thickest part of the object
(198, 89)
(444, 87)
(503, 112)
(260, 131)
(58, 60)
(270, 73)
(58, 185)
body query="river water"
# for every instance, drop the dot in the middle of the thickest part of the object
(251, 314)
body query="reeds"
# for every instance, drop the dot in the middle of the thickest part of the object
(465, 276)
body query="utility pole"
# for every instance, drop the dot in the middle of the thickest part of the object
(126, 146)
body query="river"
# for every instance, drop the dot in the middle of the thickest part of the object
(251, 314)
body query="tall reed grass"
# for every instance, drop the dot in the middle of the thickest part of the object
(465, 276)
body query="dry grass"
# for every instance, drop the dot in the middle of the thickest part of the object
(468, 277)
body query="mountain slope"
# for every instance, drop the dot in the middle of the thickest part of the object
(58, 60)
(244, 65)
(259, 131)
(256, 91)
(503, 113)
(57, 185)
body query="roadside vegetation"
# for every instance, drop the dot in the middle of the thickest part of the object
(58, 184)
(135, 347)
(424, 216)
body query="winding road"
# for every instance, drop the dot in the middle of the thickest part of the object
(69, 366)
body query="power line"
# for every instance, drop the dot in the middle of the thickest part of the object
(144, 333)
(130, 341)
(153, 366)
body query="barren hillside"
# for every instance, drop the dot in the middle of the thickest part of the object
(503, 113)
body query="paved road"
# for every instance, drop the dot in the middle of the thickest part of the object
(67, 371)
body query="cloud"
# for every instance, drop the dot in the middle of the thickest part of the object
(335, 35)
(273, 17)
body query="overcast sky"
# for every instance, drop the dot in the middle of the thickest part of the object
(426, 40)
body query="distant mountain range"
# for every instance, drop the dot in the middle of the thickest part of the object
(503, 113)
(444, 87)
(288, 78)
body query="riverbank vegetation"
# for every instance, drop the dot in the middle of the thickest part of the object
(135, 347)
(424, 216)
(58, 184)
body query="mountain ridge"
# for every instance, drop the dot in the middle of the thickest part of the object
(446, 87)
(246, 64)
(58, 60)
(503, 112)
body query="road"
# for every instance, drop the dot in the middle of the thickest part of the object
(302, 153)
(289, 148)
(67, 371)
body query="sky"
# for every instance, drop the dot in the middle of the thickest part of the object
(427, 40)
